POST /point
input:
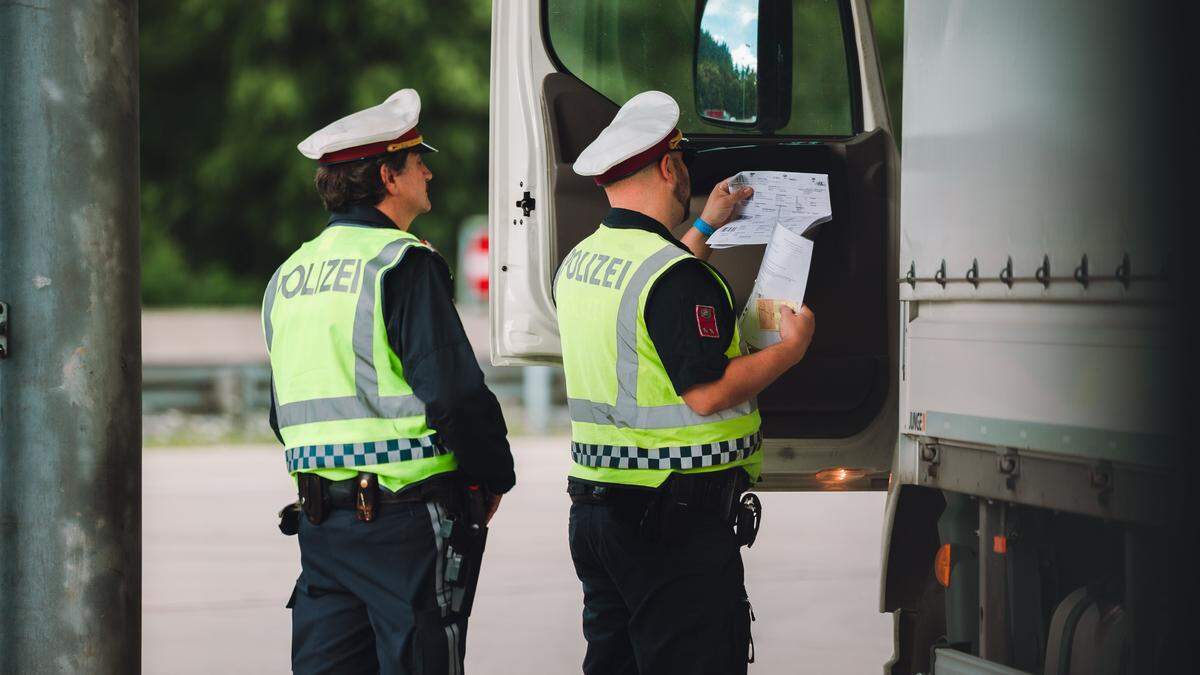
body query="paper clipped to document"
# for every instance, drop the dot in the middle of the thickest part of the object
(797, 201)
(782, 280)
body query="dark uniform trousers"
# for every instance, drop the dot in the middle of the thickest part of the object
(670, 603)
(371, 596)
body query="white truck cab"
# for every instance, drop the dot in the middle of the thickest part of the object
(561, 69)
(994, 343)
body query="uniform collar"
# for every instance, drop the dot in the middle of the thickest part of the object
(361, 216)
(628, 219)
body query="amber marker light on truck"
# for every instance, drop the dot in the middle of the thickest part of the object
(941, 565)
(839, 475)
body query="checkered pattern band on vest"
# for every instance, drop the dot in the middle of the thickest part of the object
(680, 457)
(362, 454)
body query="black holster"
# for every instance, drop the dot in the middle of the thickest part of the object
(465, 533)
(747, 519)
(289, 519)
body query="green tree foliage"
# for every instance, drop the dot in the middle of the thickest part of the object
(821, 91)
(228, 90)
(722, 85)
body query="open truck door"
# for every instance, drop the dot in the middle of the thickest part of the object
(762, 85)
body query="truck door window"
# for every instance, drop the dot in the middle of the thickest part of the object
(623, 47)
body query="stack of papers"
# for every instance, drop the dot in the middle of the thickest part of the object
(796, 201)
(784, 208)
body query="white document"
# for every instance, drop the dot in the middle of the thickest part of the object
(797, 201)
(782, 280)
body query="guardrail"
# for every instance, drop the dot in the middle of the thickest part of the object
(239, 389)
(222, 390)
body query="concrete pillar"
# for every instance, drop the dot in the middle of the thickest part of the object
(70, 414)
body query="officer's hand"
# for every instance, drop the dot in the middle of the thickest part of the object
(493, 506)
(719, 207)
(796, 329)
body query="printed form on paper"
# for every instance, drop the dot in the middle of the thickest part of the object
(782, 280)
(797, 201)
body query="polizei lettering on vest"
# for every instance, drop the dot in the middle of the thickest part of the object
(329, 276)
(596, 269)
(599, 263)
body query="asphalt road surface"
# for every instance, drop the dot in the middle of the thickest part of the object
(216, 572)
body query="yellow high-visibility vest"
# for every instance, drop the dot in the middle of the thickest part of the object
(628, 425)
(341, 399)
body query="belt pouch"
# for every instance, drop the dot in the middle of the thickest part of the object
(314, 498)
(366, 496)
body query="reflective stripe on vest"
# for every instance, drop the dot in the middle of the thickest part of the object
(678, 458)
(367, 403)
(361, 454)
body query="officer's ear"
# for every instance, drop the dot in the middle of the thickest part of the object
(666, 168)
(390, 178)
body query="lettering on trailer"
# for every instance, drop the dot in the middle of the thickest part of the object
(596, 269)
(916, 421)
(328, 276)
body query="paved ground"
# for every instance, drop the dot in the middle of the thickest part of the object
(217, 573)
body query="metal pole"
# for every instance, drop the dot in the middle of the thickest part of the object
(70, 419)
(538, 381)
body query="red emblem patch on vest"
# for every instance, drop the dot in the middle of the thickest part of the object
(706, 321)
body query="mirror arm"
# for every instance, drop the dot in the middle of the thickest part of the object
(775, 71)
(766, 69)
(784, 51)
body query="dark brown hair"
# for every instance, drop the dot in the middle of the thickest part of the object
(356, 183)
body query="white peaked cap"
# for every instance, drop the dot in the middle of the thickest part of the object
(387, 127)
(642, 127)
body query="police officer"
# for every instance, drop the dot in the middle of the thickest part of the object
(398, 447)
(664, 427)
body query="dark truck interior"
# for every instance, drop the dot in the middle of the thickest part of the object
(842, 383)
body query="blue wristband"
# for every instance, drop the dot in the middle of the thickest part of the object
(705, 228)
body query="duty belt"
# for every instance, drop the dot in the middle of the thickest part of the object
(317, 495)
(459, 513)
(713, 492)
(343, 494)
(719, 493)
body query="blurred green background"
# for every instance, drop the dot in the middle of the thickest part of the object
(229, 88)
